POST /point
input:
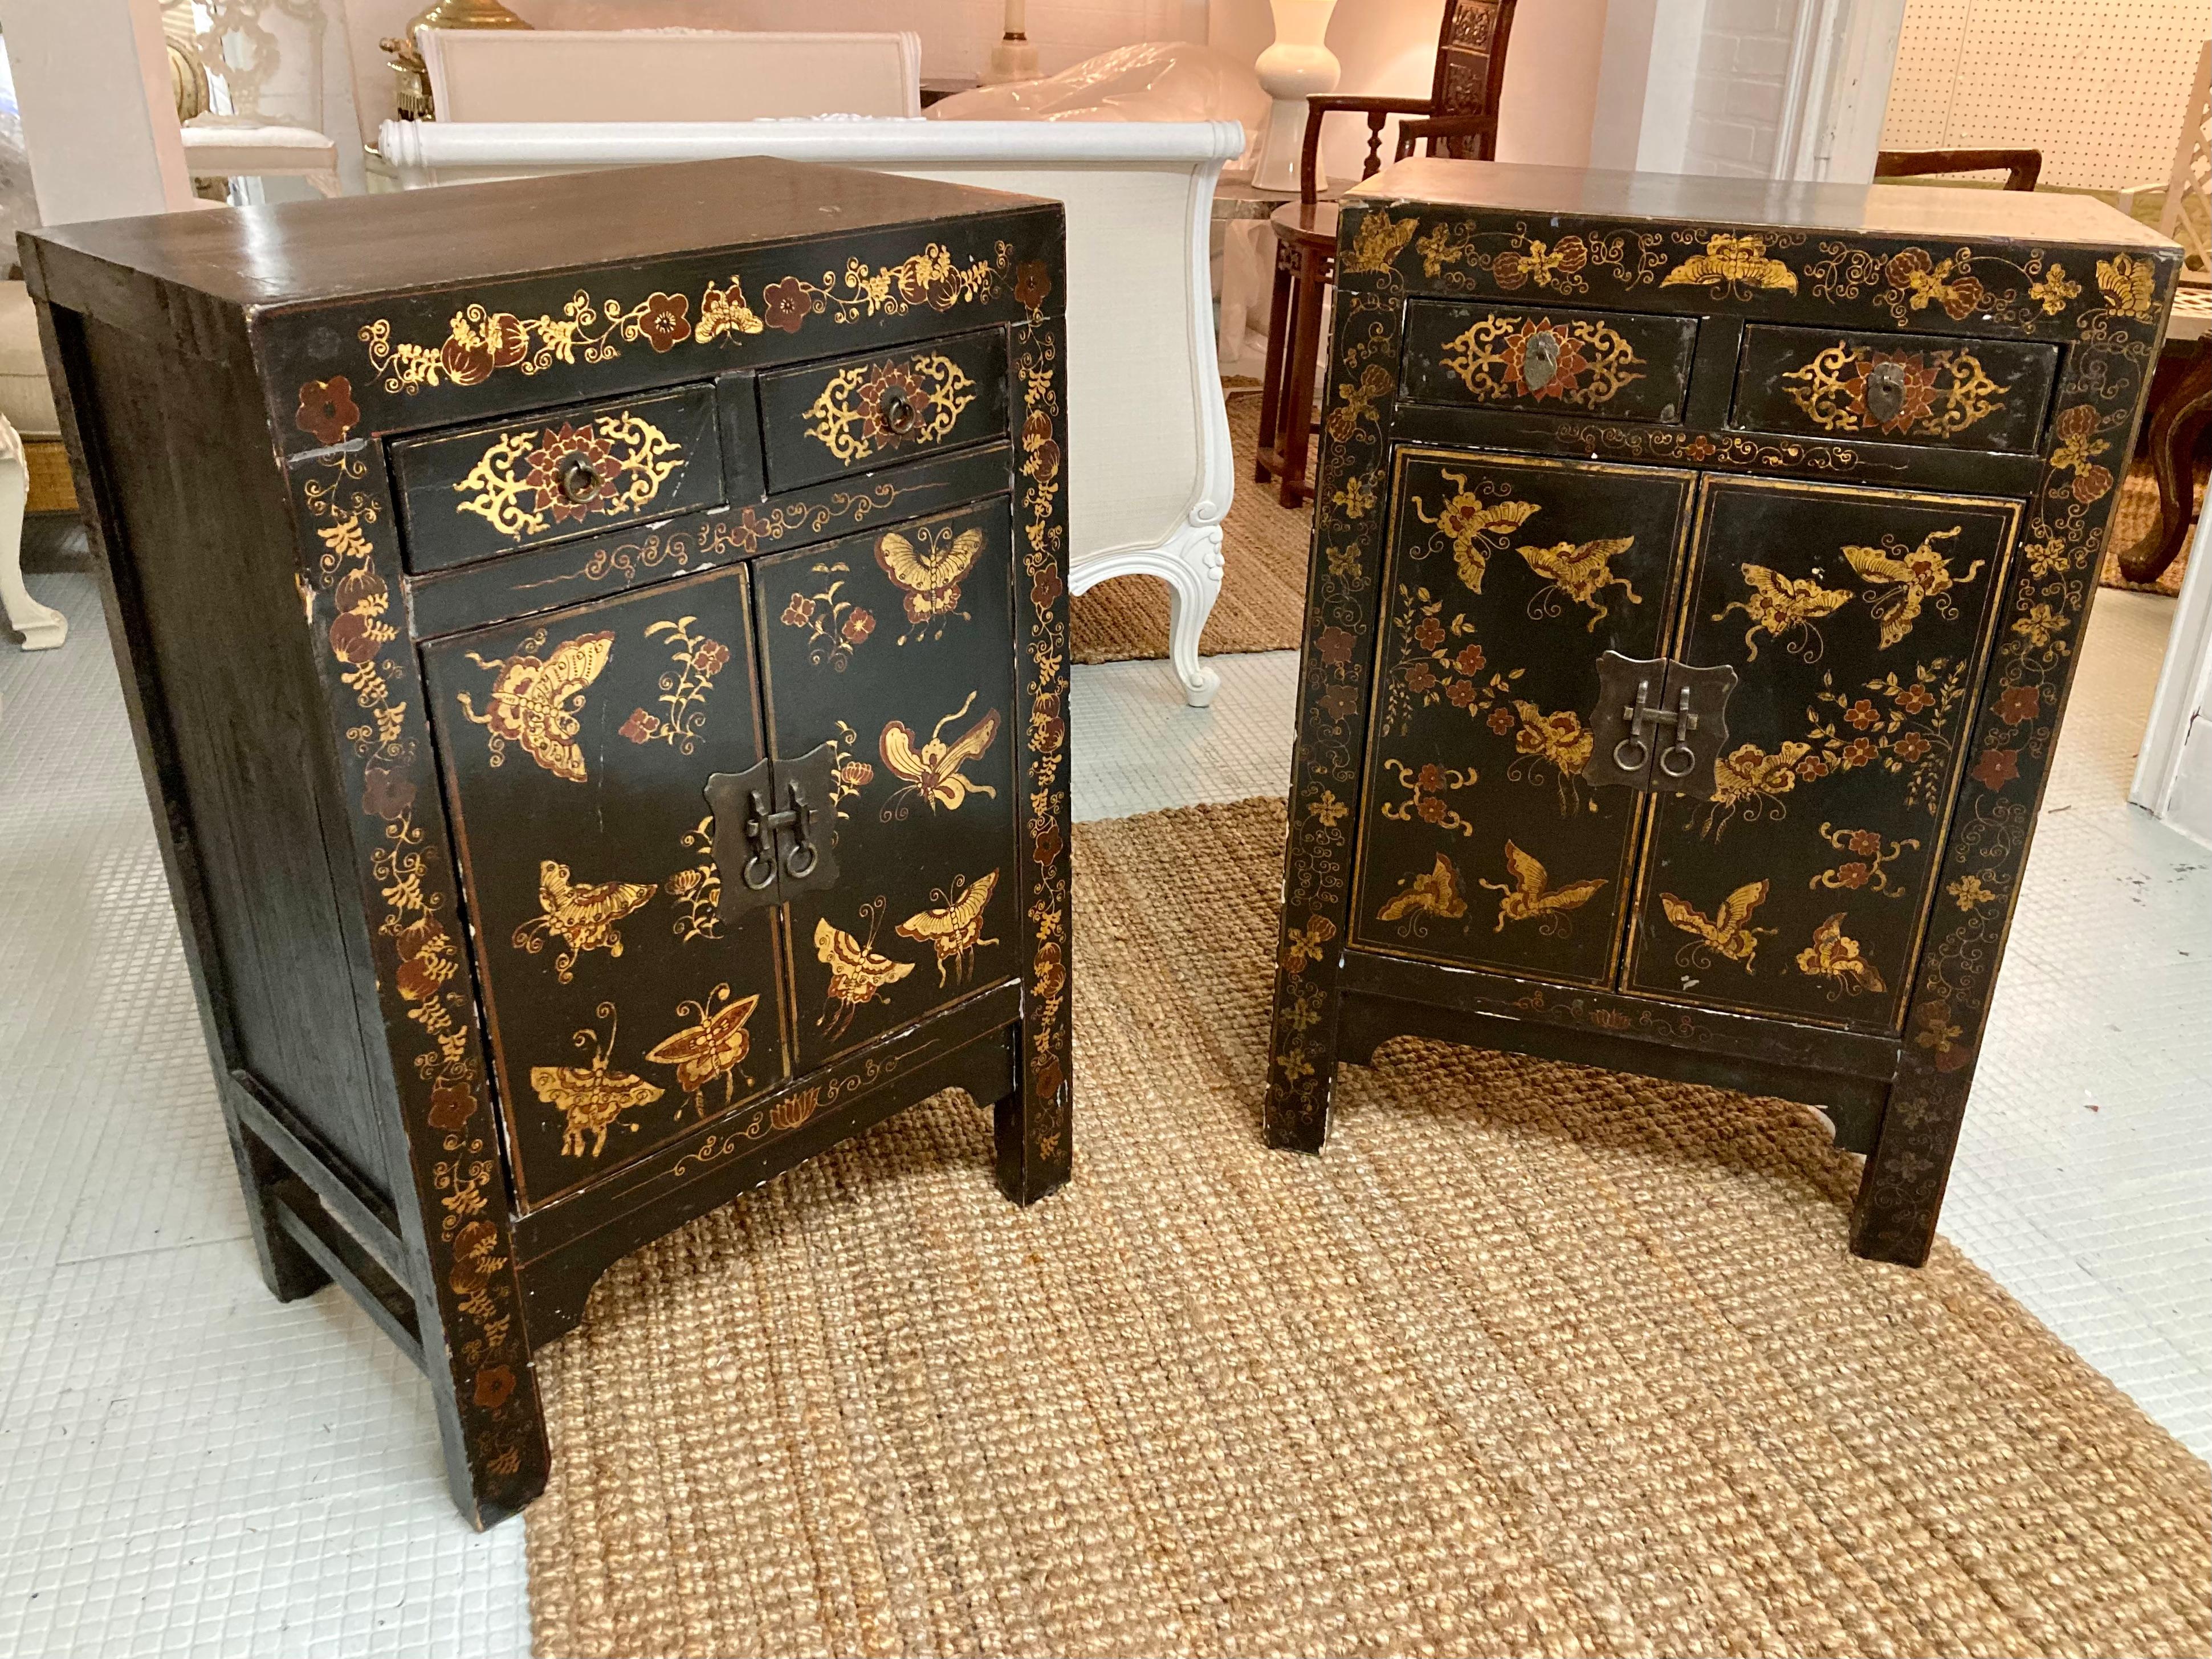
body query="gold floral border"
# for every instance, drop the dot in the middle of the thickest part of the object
(425, 979)
(482, 341)
(1042, 525)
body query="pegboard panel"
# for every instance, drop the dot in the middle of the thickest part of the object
(2098, 86)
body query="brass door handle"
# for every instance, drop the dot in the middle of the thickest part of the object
(768, 853)
(1626, 729)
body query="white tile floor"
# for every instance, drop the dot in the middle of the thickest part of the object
(186, 1467)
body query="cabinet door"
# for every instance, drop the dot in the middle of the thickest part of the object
(1507, 579)
(1858, 622)
(897, 647)
(622, 1007)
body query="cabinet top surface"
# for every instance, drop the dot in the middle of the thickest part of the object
(300, 252)
(1874, 210)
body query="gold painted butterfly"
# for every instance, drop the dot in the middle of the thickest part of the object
(534, 702)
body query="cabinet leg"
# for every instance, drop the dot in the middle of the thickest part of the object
(289, 1271)
(1901, 1192)
(1031, 1132)
(1302, 1070)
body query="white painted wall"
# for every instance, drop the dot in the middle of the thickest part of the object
(2099, 86)
(1389, 47)
(1740, 86)
(99, 122)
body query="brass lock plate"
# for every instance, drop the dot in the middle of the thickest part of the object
(1659, 725)
(774, 830)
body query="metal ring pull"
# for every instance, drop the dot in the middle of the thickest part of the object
(759, 832)
(1684, 723)
(800, 857)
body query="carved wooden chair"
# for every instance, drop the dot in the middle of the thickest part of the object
(2023, 166)
(1459, 118)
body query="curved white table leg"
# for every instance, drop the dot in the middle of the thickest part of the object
(1191, 602)
(42, 626)
(1189, 563)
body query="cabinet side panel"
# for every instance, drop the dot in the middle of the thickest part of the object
(201, 543)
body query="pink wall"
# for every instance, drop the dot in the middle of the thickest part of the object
(1390, 46)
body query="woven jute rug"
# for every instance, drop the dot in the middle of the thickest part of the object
(2137, 518)
(1534, 1359)
(1263, 574)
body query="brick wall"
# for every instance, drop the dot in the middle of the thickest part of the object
(1735, 112)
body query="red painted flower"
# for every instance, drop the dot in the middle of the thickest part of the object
(1470, 660)
(1460, 693)
(1853, 875)
(894, 390)
(800, 611)
(1430, 635)
(2017, 704)
(551, 478)
(1335, 645)
(1420, 678)
(1568, 360)
(1914, 698)
(1046, 588)
(327, 412)
(384, 793)
(858, 625)
(1863, 715)
(1911, 747)
(710, 658)
(665, 320)
(1997, 768)
(1813, 767)
(1858, 752)
(1032, 283)
(1502, 722)
(1864, 842)
(495, 1383)
(1431, 809)
(640, 727)
(1916, 389)
(1045, 845)
(452, 1106)
(786, 304)
(1429, 778)
(1340, 703)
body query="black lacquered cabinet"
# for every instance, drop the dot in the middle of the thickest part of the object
(606, 721)
(1698, 570)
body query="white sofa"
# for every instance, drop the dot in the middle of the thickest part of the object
(1149, 470)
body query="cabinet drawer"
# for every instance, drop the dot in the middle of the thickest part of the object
(859, 413)
(489, 489)
(1546, 358)
(1963, 394)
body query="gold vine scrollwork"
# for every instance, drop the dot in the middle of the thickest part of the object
(1867, 865)
(875, 407)
(1937, 396)
(1425, 802)
(481, 342)
(1583, 363)
(529, 481)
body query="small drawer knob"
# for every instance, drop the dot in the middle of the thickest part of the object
(576, 479)
(898, 413)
